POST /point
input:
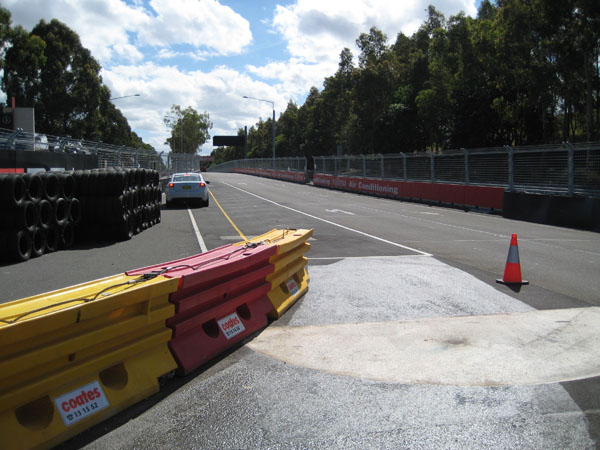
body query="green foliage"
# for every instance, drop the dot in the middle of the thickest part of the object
(48, 69)
(189, 129)
(521, 72)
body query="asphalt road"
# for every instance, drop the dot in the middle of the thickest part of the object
(415, 268)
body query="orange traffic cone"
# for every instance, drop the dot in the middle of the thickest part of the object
(512, 271)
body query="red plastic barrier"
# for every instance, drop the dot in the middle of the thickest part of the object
(450, 193)
(298, 177)
(323, 180)
(484, 197)
(221, 300)
(12, 170)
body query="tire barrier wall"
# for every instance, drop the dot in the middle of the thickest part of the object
(563, 211)
(460, 195)
(297, 177)
(222, 299)
(38, 214)
(116, 204)
(44, 212)
(73, 357)
(289, 280)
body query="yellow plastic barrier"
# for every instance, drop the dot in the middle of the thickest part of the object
(289, 280)
(73, 357)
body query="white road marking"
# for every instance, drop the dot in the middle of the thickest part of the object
(197, 232)
(330, 222)
(340, 210)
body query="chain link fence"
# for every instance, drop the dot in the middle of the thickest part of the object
(566, 168)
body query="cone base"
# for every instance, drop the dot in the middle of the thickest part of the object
(512, 283)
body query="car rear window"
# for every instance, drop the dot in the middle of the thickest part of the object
(187, 178)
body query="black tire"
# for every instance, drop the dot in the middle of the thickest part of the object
(38, 241)
(61, 211)
(19, 245)
(52, 238)
(75, 211)
(35, 186)
(125, 229)
(13, 190)
(66, 236)
(45, 213)
(51, 184)
(67, 185)
(205, 204)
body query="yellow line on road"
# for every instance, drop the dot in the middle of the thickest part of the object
(228, 218)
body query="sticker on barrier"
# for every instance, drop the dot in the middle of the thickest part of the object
(81, 403)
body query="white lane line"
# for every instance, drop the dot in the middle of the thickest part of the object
(197, 232)
(331, 223)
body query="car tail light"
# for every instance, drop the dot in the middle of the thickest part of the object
(171, 185)
(202, 184)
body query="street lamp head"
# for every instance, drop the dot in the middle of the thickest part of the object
(125, 96)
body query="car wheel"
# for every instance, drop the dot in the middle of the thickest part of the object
(169, 204)
(205, 203)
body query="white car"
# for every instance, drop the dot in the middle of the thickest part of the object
(187, 187)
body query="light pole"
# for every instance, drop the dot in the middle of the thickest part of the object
(273, 105)
(125, 96)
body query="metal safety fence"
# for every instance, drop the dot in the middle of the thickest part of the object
(290, 164)
(565, 168)
(108, 155)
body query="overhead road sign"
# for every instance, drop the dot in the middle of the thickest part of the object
(228, 141)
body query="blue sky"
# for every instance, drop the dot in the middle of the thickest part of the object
(208, 54)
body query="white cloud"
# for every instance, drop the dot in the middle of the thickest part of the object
(219, 91)
(317, 31)
(200, 23)
(111, 29)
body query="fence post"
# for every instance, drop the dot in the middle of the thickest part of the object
(571, 168)
(432, 166)
(381, 166)
(364, 166)
(404, 169)
(511, 168)
(466, 156)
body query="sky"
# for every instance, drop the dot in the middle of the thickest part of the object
(209, 54)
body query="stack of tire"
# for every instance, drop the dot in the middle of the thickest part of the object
(38, 214)
(118, 203)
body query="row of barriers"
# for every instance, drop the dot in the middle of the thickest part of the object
(71, 358)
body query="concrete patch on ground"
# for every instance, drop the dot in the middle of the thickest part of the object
(378, 289)
(506, 349)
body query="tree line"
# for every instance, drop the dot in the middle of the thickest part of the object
(522, 72)
(48, 69)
